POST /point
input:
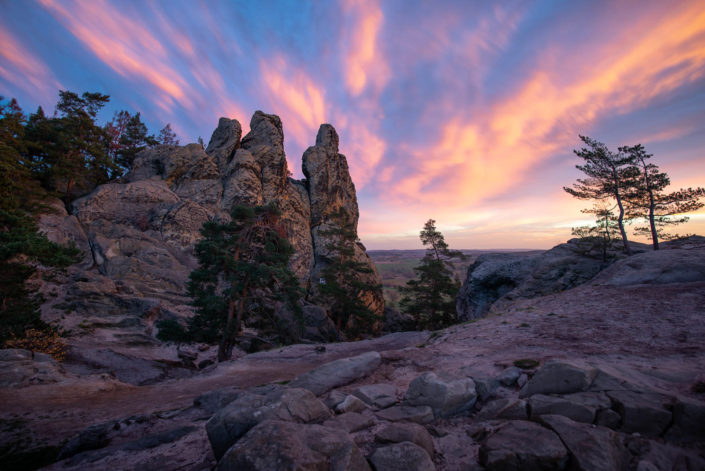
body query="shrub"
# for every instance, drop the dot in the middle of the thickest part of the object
(41, 341)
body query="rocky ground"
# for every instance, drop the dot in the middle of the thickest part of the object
(606, 375)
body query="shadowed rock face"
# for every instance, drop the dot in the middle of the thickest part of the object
(139, 234)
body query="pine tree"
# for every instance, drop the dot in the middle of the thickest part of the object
(608, 175)
(430, 298)
(167, 136)
(647, 199)
(345, 282)
(243, 264)
(600, 235)
(71, 148)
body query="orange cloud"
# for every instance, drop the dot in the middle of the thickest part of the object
(124, 45)
(363, 62)
(20, 68)
(472, 160)
(296, 98)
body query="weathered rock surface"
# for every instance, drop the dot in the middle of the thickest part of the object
(417, 414)
(590, 447)
(377, 395)
(404, 456)
(520, 445)
(254, 406)
(337, 373)
(560, 377)
(406, 432)
(498, 278)
(447, 395)
(581, 407)
(284, 445)
(645, 413)
(21, 368)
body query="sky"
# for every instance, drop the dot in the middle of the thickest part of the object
(465, 112)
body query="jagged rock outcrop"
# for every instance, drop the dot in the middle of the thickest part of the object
(138, 234)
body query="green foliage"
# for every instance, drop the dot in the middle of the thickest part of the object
(167, 136)
(242, 274)
(346, 285)
(70, 148)
(127, 135)
(171, 331)
(20, 244)
(600, 236)
(430, 298)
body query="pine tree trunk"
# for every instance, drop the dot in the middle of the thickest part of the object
(620, 220)
(652, 222)
(225, 348)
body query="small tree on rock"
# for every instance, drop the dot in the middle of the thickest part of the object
(345, 282)
(430, 298)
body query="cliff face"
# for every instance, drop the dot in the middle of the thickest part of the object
(139, 234)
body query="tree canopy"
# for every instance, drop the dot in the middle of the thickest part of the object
(430, 298)
(346, 285)
(242, 274)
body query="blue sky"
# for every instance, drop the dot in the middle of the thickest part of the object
(465, 112)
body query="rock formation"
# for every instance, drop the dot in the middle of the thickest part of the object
(138, 233)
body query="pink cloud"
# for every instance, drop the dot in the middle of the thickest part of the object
(21, 68)
(364, 64)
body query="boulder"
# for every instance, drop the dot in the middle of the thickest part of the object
(284, 445)
(350, 422)
(509, 376)
(417, 414)
(485, 387)
(404, 456)
(377, 395)
(688, 420)
(522, 445)
(580, 407)
(642, 412)
(337, 373)
(406, 432)
(447, 395)
(591, 447)
(350, 404)
(559, 377)
(259, 404)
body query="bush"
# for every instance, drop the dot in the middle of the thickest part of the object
(171, 331)
(41, 341)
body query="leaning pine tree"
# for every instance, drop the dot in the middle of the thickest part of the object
(607, 179)
(243, 271)
(648, 200)
(430, 298)
(345, 280)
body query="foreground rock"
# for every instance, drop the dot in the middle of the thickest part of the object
(590, 447)
(447, 395)
(276, 445)
(404, 456)
(260, 404)
(337, 373)
(519, 445)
